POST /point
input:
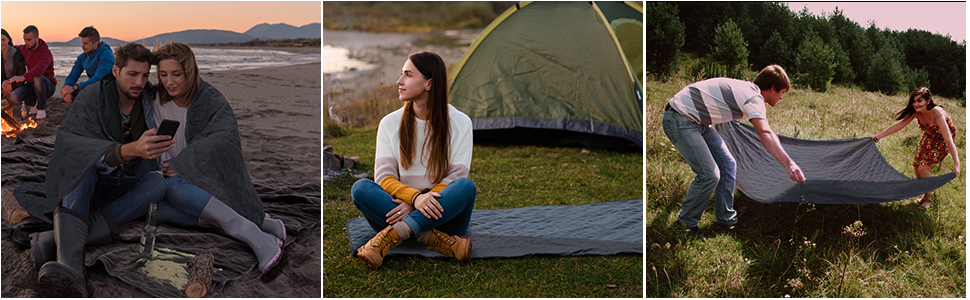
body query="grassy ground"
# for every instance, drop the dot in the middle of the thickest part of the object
(506, 177)
(801, 250)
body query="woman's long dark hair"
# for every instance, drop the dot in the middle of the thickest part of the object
(9, 40)
(909, 110)
(431, 67)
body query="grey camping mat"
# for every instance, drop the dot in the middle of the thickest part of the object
(850, 171)
(606, 228)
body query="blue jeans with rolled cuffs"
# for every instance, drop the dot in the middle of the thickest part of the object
(705, 153)
(458, 200)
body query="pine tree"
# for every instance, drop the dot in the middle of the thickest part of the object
(815, 63)
(664, 38)
(730, 49)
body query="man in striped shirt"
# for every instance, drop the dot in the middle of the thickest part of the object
(687, 122)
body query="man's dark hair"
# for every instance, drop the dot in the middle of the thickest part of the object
(33, 29)
(90, 32)
(133, 51)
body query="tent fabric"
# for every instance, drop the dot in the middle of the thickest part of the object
(557, 66)
(606, 228)
(850, 171)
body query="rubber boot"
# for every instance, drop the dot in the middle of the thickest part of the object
(268, 248)
(274, 226)
(373, 252)
(44, 249)
(454, 246)
(65, 277)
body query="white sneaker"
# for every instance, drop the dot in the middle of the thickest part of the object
(41, 114)
(33, 109)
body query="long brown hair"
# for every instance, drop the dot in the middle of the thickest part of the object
(909, 110)
(431, 67)
(186, 59)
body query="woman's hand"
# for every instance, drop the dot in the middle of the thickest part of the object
(956, 168)
(398, 213)
(169, 171)
(428, 205)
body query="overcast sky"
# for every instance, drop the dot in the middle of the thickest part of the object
(936, 17)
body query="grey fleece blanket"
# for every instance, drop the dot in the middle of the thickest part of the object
(213, 159)
(851, 171)
(606, 228)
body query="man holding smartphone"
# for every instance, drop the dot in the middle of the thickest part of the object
(103, 161)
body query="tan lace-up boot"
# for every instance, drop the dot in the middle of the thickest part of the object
(451, 245)
(374, 251)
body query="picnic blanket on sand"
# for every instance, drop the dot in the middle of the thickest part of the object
(298, 205)
(850, 171)
(605, 228)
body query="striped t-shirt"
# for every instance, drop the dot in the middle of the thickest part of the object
(719, 100)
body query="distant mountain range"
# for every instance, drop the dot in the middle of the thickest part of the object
(263, 31)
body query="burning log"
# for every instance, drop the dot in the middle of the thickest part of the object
(11, 209)
(11, 126)
(200, 275)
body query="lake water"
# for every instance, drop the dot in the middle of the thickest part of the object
(215, 59)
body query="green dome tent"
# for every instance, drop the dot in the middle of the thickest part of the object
(556, 73)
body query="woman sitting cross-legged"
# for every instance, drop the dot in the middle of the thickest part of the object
(424, 151)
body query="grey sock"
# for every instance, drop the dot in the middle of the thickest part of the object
(403, 230)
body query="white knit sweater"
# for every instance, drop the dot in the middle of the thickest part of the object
(388, 160)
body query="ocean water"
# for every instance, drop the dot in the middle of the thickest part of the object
(208, 59)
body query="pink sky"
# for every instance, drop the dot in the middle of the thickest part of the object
(936, 17)
(131, 20)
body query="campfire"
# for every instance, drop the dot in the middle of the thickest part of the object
(12, 126)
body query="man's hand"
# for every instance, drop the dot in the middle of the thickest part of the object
(7, 88)
(795, 173)
(17, 79)
(428, 205)
(169, 171)
(66, 93)
(398, 213)
(148, 146)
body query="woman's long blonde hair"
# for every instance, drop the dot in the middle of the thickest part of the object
(431, 67)
(186, 59)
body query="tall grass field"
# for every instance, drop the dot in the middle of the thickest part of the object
(506, 177)
(796, 250)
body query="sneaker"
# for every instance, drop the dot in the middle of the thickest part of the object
(41, 114)
(695, 232)
(736, 228)
(33, 110)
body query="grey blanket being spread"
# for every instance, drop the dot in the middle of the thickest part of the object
(297, 205)
(850, 171)
(606, 228)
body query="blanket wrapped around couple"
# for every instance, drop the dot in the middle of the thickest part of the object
(297, 205)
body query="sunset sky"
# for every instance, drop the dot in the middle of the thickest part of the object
(61, 21)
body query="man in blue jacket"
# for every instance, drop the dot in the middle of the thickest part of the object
(96, 60)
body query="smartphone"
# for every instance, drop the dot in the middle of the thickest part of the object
(168, 128)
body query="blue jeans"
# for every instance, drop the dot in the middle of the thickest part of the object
(120, 200)
(458, 200)
(29, 95)
(709, 158)
(183, 203)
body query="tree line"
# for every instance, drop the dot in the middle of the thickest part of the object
(816, 51)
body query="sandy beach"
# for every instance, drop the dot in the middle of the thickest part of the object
(278, 113)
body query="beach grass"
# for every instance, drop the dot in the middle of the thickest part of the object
(804, 250)
(506, 177)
